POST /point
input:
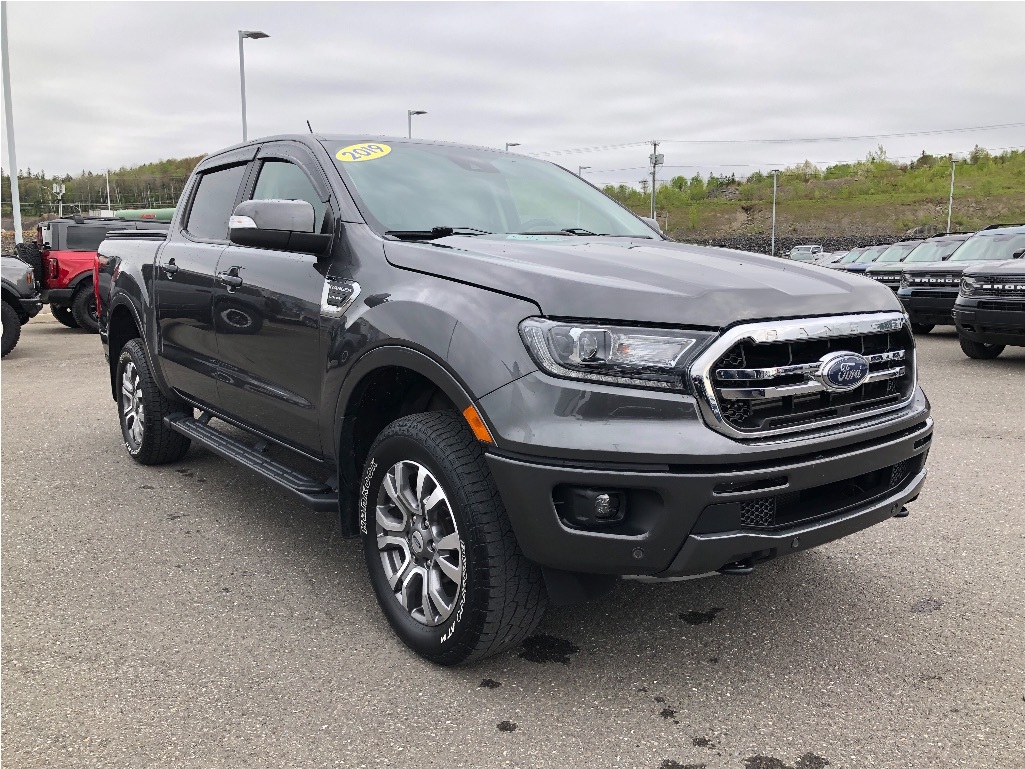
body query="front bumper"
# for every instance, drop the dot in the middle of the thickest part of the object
(31, 305)
(928, 306)
(689, 520)
(991, 321)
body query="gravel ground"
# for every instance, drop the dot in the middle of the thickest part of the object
(193, 616)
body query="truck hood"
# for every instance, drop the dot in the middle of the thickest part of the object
(946, 268)
(1011, 268)
(639, 280)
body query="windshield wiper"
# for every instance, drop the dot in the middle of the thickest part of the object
(582, 233)
(436, 232)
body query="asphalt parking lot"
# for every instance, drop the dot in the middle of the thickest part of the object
(192, 616)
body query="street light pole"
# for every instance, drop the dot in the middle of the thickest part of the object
(409, 119)
(656, 161)
(581, 169)
(242, 35)
(772, 248)
(511, 144)
(950, 205)
(12, 160)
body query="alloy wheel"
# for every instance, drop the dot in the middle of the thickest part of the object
(418, 542)
(132, 411)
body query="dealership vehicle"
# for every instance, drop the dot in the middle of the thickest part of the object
(806, 253)
(990, 309)
(935, 249)
(19, 300)
(849, 257)
(886, 269)
(863, 260)
(928, 291)
(68, 249)
(830, 257)
(514, 390)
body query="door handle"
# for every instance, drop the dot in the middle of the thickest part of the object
(170, 268)
(229, 278)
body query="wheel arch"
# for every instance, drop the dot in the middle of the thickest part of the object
(383, 385)
(123, 325)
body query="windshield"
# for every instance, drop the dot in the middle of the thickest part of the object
(871, 254)
(985, 247)
(934, 250)
(897, 252)
(414, 188)
(853, 254)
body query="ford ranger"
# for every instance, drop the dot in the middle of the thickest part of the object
(516, 391)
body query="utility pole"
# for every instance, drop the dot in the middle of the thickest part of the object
(12, 160)
(950, 205)
(656, 161)
(772, 248)
(58, 191)
(109, 208)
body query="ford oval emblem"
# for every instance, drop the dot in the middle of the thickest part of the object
(842, 371)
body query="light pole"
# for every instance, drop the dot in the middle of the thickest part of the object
(12, 160)
(511, 144)
(772, 248)
(58, 191)
(409, 120)
(656, 161)
(581, 169)
(950, 205)
(242, 35)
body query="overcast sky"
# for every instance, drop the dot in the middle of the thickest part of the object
(100, 85)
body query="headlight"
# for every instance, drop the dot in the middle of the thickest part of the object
(618, 355)
(968, 286)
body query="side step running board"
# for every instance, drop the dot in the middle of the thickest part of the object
(311, 492)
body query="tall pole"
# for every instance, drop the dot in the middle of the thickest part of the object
(242, 79)
(654, 166)
(950, 205)
(109, 208)
(409, 124)
(12, 160)
(581, 169)
(772, 248)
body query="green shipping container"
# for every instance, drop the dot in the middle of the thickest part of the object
(146, 214)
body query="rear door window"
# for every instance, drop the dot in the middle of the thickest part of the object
(214, 202)
(85, 237)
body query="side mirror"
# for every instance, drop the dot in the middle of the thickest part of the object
(280, 225)
(1018, 254)
(653, 223)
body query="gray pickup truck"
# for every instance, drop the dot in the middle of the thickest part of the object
(20, 300)
(514, 390)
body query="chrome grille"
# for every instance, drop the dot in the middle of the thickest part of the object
(939, 280)
(999, 287)
(766, 379)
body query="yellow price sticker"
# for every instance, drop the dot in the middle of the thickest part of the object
(357, 153)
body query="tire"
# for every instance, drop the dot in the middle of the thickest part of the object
(12, 328)
(30, 253)
(142, 408)
(490, 597)
(978, 350)
(83, 308)
(922, 328)
(63, 315)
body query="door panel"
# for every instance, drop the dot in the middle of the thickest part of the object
(267, 314)
(184, 284)
(184, 289)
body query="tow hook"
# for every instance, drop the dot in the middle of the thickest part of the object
(902, 512)
(737, 568)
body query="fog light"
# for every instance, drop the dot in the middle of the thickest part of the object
(589, 507)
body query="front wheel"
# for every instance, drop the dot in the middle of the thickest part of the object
(12, 328)
(442, 557)
(922, 328)
(979, 350)
(142, 408)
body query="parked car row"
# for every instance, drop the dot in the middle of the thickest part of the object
(62, 258)
(20, 300)
(974, 281)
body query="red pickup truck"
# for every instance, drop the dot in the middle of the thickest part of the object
(67, 252)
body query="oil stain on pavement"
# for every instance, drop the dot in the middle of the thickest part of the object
(545, 648)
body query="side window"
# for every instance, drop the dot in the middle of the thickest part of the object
(214, 202)
(281, 180)
(86, 237)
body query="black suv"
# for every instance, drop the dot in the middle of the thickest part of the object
(512, 388)
(990, 309)
(890, 266)
(929, 290)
